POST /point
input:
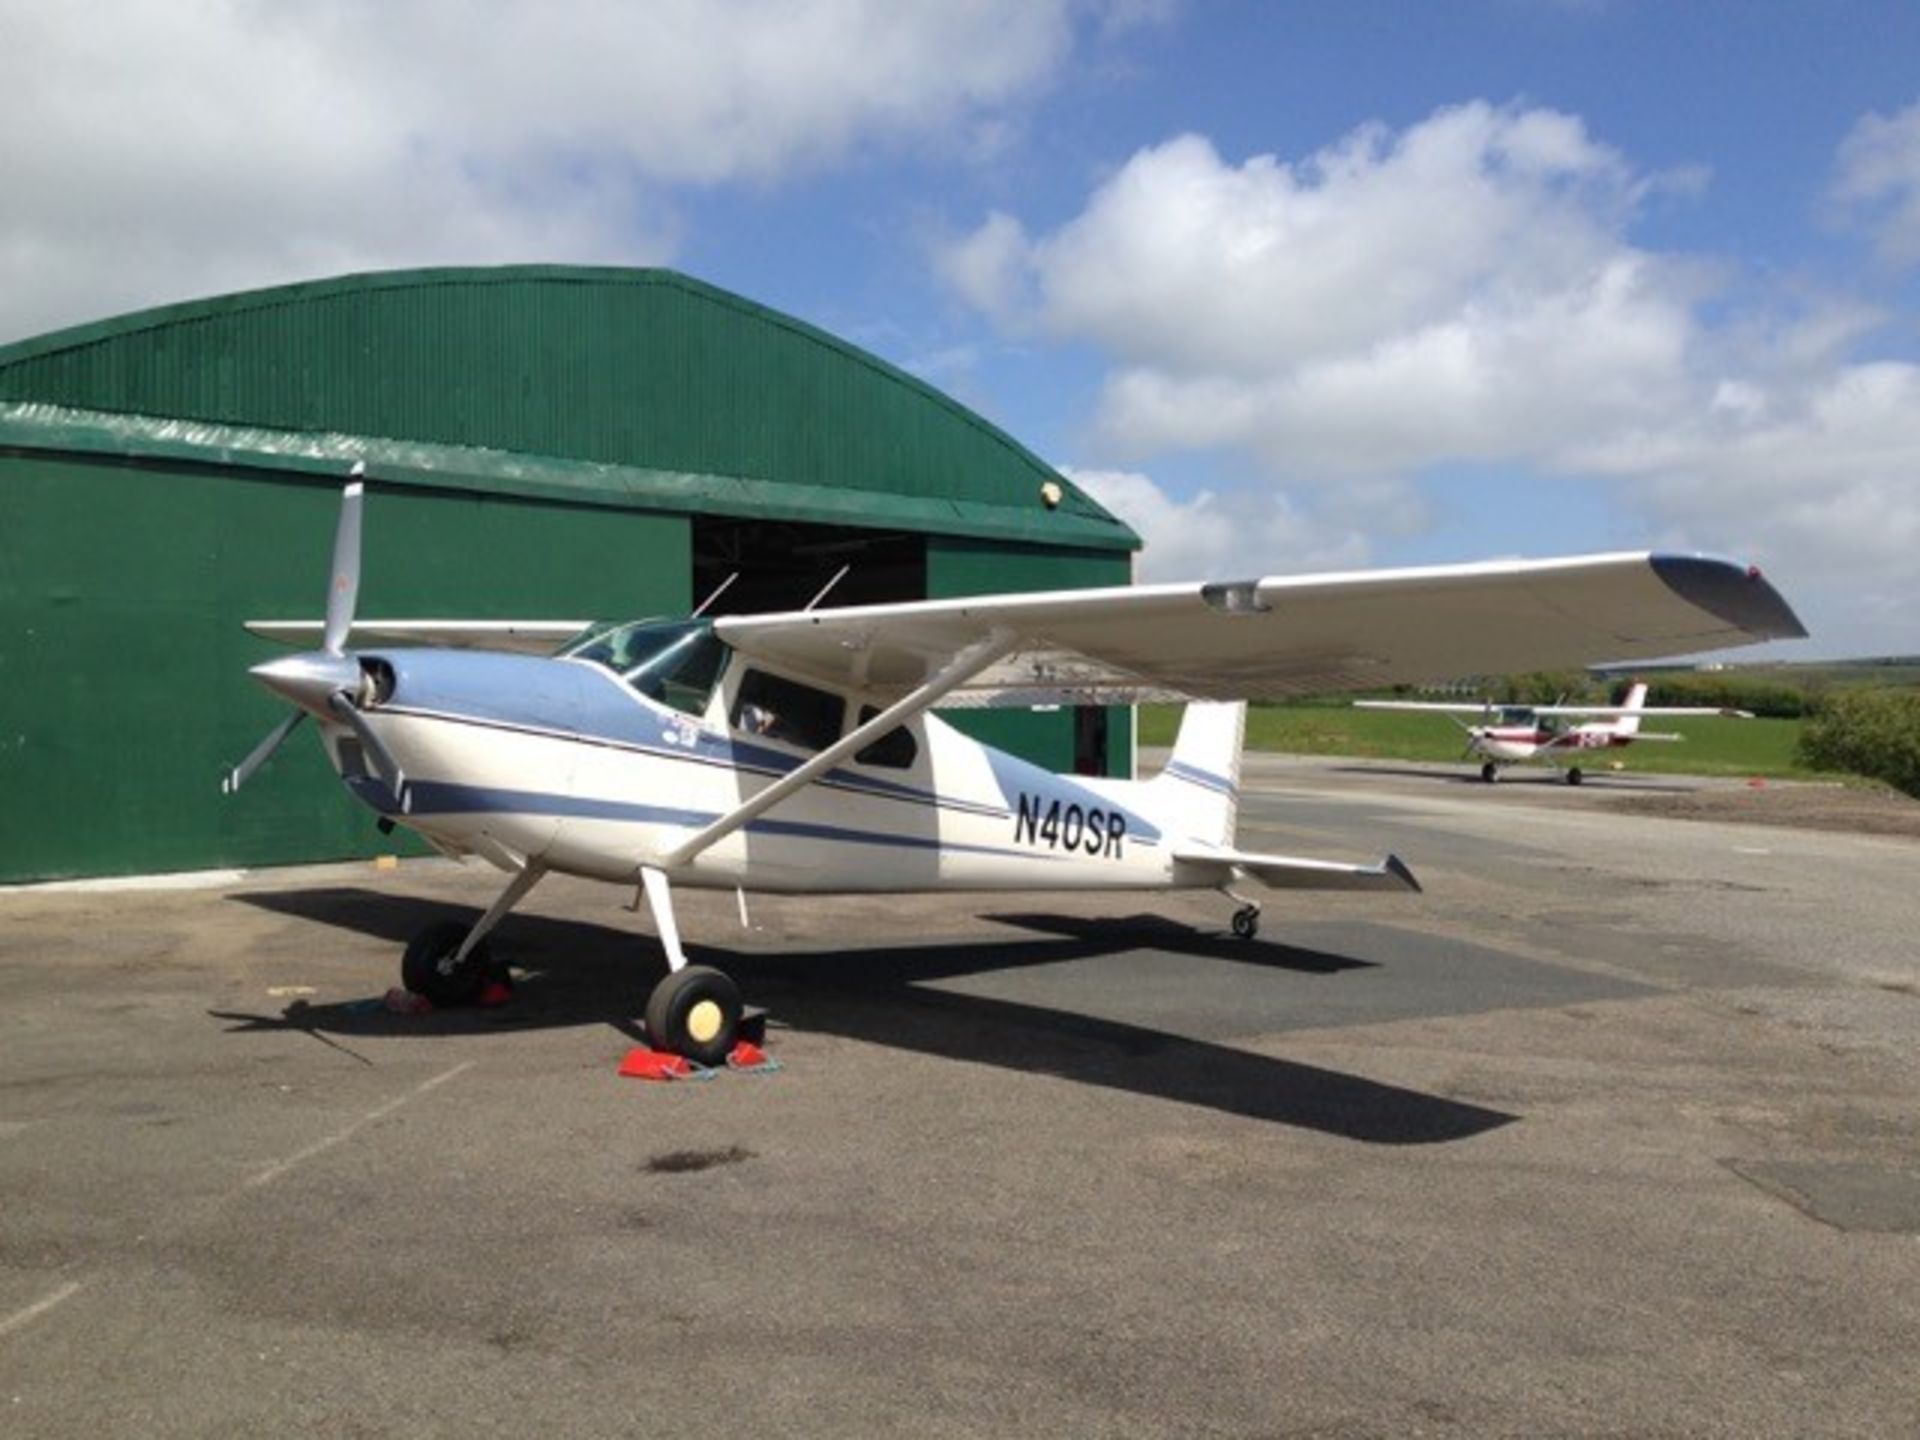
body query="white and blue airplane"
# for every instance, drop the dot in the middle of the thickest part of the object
(797, 752)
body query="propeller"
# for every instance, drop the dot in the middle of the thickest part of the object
(326, 682)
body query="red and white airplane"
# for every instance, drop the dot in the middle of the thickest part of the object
(1535, 734)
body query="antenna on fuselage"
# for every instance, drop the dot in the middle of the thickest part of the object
(713, 595)
(838, 576)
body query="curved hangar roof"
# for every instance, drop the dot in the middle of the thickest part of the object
(633, 388)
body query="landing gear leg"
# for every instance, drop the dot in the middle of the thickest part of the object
(448, 962)
(696, 1010)
(1246, 920)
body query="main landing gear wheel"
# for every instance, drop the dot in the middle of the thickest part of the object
(1489, 772)
(695, 1012)
(1246, 922)
(428, 966)
(1573, 776)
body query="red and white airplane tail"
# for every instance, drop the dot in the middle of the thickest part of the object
(1636, 700)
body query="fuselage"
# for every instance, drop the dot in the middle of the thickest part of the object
(567, 762)
(1518, 743)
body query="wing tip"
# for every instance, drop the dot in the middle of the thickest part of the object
(1397, 868)
(1737, 594)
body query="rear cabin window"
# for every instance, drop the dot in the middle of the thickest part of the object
(783, 709)
(895, 750)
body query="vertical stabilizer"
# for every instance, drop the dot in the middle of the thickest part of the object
(1636, 698)
(1197, 796)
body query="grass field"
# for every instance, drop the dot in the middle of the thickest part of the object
(1712, 747)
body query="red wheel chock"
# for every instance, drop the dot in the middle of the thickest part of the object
(644, 1064)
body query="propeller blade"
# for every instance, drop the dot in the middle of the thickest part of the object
(383, 762)
(344, 592)
(242, 772)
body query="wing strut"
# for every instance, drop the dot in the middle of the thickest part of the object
(957, 671)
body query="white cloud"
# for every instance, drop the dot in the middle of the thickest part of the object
(1467, 292)
(1877, 176)
(1219, 537)
(1460, 291)
(159, 152)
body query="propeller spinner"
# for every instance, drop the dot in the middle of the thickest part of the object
(327, 682)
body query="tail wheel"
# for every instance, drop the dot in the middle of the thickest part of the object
(427, 968)
(695, 1012)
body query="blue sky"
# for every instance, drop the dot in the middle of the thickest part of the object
(1290, 286)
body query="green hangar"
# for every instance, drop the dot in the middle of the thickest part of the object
(539, 442)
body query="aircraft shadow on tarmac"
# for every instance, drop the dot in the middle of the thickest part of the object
(573, 973)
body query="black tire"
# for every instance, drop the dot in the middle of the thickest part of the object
(427, 967)
(695, 1012)
(1573, 776)
(1489, 772)
(1246, 922)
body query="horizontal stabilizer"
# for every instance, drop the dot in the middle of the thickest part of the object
(1288, 872)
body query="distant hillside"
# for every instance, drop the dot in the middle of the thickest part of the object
(1901, 671)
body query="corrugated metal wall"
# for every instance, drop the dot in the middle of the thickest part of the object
(961, 566)
(630, 367)
(123, 686)
(131, 549)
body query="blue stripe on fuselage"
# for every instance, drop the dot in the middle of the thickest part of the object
(433, 797)
(577, 700)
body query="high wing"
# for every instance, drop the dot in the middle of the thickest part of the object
(1281, 636)
(1440, 707)
(526, 637)
(1616, 712)
(1590, 712)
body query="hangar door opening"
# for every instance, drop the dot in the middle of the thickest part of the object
(782, 565)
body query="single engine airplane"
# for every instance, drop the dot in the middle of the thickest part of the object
(1537, 734)
(797, 752)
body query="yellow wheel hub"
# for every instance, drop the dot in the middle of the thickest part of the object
(704, 1021)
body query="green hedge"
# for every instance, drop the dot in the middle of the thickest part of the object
(1778, 698)
(1869, 732)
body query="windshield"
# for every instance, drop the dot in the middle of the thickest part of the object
(675, 662)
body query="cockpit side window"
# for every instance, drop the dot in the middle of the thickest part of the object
(682, 674)
(674, 662)
(783, 709)
(895, 750)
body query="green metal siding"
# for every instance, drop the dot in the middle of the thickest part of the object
(960, 566)
(37, 427)
(629, 368)
(536, 439)
(123, 688)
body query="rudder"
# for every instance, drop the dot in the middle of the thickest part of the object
(1198, 793)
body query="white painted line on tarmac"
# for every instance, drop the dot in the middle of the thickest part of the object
(181, 880)
(280, 1167)
(20, 1319)
(1751, 850)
